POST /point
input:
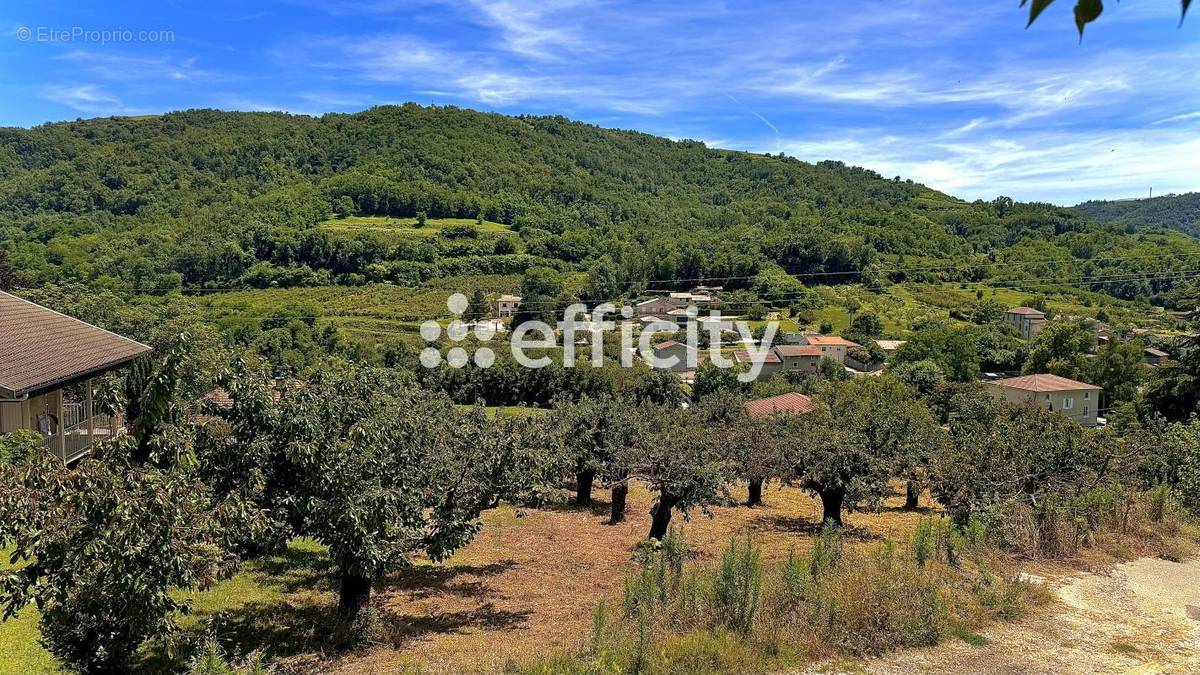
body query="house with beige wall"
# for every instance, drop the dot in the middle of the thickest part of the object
(506, 305)
(831, 346)
(47, 363)
(1027, 320)
(798, 358)
(1078, 400)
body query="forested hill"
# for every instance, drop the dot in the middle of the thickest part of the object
(215, 199)
(1177, 212)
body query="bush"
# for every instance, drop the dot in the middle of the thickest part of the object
(739, 618)
(738, 586)
(18, 445)
(212, 660)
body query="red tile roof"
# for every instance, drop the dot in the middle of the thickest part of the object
(1026, 310)
(1043, 383)
(40, 348)
(793, 351)
(747, 357)
(791, 403)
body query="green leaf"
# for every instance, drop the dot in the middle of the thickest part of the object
(1035, 9)
(1087, 11)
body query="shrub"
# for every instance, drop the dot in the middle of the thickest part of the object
(212, 660)
(18, 445)
(738, 586)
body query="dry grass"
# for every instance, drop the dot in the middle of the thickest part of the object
(527, 585)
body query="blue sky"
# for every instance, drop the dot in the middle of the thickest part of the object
(953, 93)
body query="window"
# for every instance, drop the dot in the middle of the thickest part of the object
(1068, 403)
(1085, 410)
(1087, 395)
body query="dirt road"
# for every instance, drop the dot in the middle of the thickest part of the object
(1132, 620)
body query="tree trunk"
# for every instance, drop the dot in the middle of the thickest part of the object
(755, 497)
(660, 516)
(353, 597)
(912, 496)
(583, 486)
(831, 503)
(619, 492)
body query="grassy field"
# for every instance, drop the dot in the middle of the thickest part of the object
(370, 311)
(525, 587)
(393, 230)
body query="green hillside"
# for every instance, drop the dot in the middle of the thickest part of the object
(217, 200)
(1177, 212)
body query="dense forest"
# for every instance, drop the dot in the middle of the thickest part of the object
(1177, 212)
(207, 199)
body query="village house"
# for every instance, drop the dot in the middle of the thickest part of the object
(685, 298)
(1078, 400)
(506, 305)
(1155, 357)
(654, 307)
(798, 358)
(1027, 320)
(687, 357)
(890, 347)
(47, 363)
(832, 346)
(771, 363)
(791, 403)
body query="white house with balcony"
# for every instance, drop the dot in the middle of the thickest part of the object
(47, 362)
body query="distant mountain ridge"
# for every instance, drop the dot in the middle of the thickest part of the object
(1176, 212)
(203, 199)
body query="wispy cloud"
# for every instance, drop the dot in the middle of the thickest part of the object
(117, 66)
(1051, 166)
(540, 29)
(88, 98)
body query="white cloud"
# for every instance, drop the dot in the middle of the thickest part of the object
(1065, 168)
(118, 67)
(88, 98)
(535, 29)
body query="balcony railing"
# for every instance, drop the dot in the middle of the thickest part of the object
(78, 436)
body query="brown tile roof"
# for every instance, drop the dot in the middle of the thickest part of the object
(793, 351)
(747, 357)
(40, 348)
(1043, 383)
(1027, 311)
(791, 403)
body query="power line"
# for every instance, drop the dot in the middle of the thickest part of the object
(1013, 285)
(954, 267)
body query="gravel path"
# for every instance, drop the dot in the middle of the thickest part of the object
(1136, 619)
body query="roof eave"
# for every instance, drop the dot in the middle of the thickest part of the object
(58, 383)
